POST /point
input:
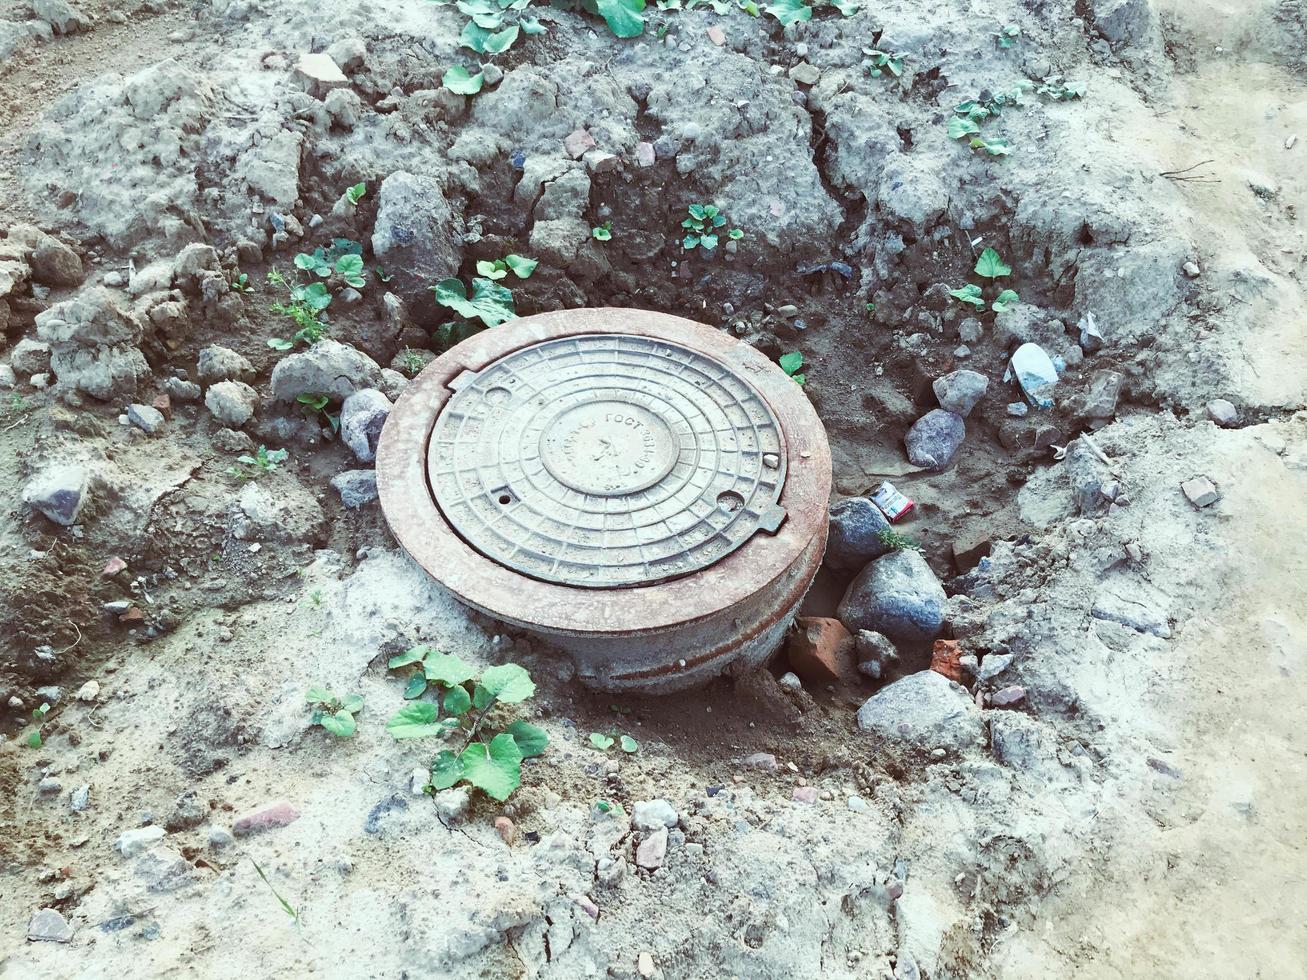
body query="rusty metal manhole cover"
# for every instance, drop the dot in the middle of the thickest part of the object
(607, 460)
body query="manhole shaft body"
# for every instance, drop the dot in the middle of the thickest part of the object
(645, 491)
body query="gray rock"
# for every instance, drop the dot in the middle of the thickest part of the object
(361, 419)
(49, 926)
(652, 851)
(49, 786)
(653, 815)
(1201, 491)
(187, 812)
(1021, 743)
(147, 418)
(217, 363)
(876, 653)
(393, 383)
(327, 368)
(790, 681)
(133, 842)
(59, 492)
(232, 403)
(92, 342)
(7, 377)
(1220, 411)
(1104, 392)
(1087, 477)
(993, 665)
(897, 595)
(286, 513)
(182, 391)
(60, 15)
(452, 805)
(29, 357)
(56, 264)
(1122, 20)
(350, 53)
(855, 523)
(220, 837)
(934, 439)
(52, 693)
(1131, 607)
(106, 373)
(413, 237)
(970, 330)
(80, 798)
(356, 487)
(922, 712)
(959, 391)
(1018, 409)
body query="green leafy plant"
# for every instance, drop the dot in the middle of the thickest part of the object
(879, 62)
(989, 266)
(285, 905)
(412, 360)
(306, 304)
(263, 460)
(792, 364)
(458, 81)
(701, 227)
(381, 275)
(38, 718)
(789, 11)
(314, 404)
(625, 18)
(343, 261)
(601, 742)
(335, 714)
(241, 284)
(519, 265)
(1007, 36)
(605, 742)
(602, 233)
(1058, 90)
(492, 765)
(896, 541)
(355, 193)
(490, 303)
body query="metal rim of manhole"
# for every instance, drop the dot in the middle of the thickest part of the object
(604, 470)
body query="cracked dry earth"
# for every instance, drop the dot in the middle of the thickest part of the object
(1132, 805)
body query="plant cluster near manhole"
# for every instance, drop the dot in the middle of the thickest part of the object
(493, 766)
(313, 404)
(263, 460)
(605, 742)
(38, 719)
(338, 266)
(1008, 35)
(241, 284)
(602, 233)
(489, 302)
(519, 265)
(355, 193)
(701, 227)
(879, 62)
(895, 540)
(285, 905)
(335, 714)
(412, 360)
(992, 267)
(792, 364)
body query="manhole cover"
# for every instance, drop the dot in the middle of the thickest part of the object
(607, 460)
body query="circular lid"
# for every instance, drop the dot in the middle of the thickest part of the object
(606, 460)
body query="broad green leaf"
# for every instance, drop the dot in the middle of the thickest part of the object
(991, 266)
(474, 37)
(959, 127)
(789, 11)
(353, 703)
(34, 740)
(492, 304)
(306, 262)
(708, 242)
(316, 295)
(799, 379)
(522, 266)
(447, 669)
(623, 17)
(349, 265)
(416, 720)
(601, 234)
(1005, 299)
(457, 701)
(530, 25)
(410, 656)
(845, 7)
(507, 683)
(690, 241)
(969, 294)
(416, 686)
(458, 81)
(317, 695)
(629, 744)
(997, 147)
(501, 41)
(601, 742)
(277, 343)
(735, 234)
(495, 769)
(791, 362)
(530, 739)
(341, 724)
(446, 769)
(491, 270)
(698, 211)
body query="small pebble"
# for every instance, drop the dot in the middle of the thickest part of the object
(507, 832)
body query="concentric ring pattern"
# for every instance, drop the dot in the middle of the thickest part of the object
(607, 460)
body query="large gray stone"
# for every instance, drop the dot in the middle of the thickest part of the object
(90, 320)
(361, 419)
(413, 237)
(327, 368)
(217, 363)
(105, 373)
(855, 523)
(92, 348)
(56, 264)
(232, 403)
(356, 487)
(933, 440)
(1122, 20)
(285, 512)
(922, 712)
(959, 391)
(897, 595)
(59, 492)
(49, 926)
(30, 357)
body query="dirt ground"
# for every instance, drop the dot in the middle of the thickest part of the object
(1137, 809)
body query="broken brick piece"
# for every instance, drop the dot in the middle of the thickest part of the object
(946, 659)
(132, 617)
(113, 566)
(821, 651)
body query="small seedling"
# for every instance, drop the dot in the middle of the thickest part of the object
(315, 403)
(334, 714)
(792, 364)
(315, 597)
(355, 194)
(264, 460)
(493, 766)
(990, 266)
(381, 275)
(701, 227)
(1008, 36)
(879, 62)
(602, 233)
(241, 284)
(1057, 90)
(490, 302)
(461, 82)
(601, 742)
(412, 360)
(344, 261)
(38, 717)
(896, 541)
(306, 303)
(285, 905)
(519, 265)
(605, 742)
